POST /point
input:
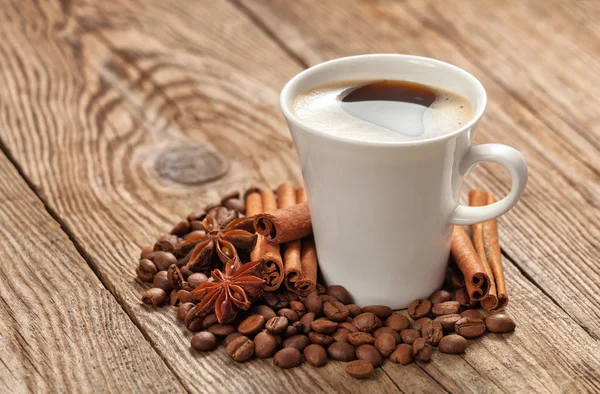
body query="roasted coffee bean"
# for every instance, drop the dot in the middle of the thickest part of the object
(367, 322)
(440, 296)
(229, 338)
(448, 321)
(470, 327)
(453, 344)
(455, 279)
(251, 325)
(471, 313)
(315, 355)
(348, 326)
(166, 243)
(197, 226)
(336, 311)
(173, 299)
(432, 331)
(287, 358)
(314, 304)
(422, 351)
(354, 309)
(359, 369)
(446, 308)
(283, 301)
(221, 330)
(320, 339)
(196, 215)
(181, 228)
(410, 335)
(196, 279)
(419, 308)
(328, 298)
(402, 355)
(369, 353)
(340, 293)
(387, 330)
(210, 320)
(271, 300)
(154, 296)
(193, 321)
(144, 276)
(341, 351)
(185, 296)
(397, 322)
(306, 321)
(240, 349)
(500, 323)
(321, 289)
(264, 311)
(146, 251)
(174, 277)
(146, 270)
(341, 335)
(290, 331)
(265, 345)
(183, 310)
(235, 204)
(185, 271)
(290, 296)
(324, 326)
(163, 260)
(297, 341)
(298, 307)
(381, 311)
(417, 324)
(161, 281)
(386, 344)
(277, 324)
(204, 341)
(291, 315)
(462, 297)
(360, 338)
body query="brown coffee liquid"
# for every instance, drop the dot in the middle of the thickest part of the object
(400, 91)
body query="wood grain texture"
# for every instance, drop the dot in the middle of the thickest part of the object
(553, 234)
(60, 329)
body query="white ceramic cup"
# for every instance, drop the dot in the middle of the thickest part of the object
(383, 212)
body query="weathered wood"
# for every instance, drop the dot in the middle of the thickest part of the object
(60, 330)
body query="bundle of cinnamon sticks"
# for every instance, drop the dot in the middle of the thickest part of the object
(285, 244)
(480, 260)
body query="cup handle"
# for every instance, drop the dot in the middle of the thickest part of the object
(513, 161)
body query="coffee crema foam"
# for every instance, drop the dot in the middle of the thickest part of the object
(382, 111)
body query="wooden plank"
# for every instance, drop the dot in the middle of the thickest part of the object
(60, 330)
(98, 101)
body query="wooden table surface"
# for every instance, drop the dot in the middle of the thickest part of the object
(118, 117)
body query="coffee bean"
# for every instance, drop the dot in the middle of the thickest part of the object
(361, 338)
(448, 321)
(173, 299)
(196, 279)
(284, 302)
(386, 344)
(321, 289)
(320, 339)
(290, 331)
(146, 270)
(440, 296)
(340, 293)
(271, 300)
(144, 276)
(163, 260)
(185, 271)
(265, 345)
(314, 304)
(446, 308)
(146, 250)
(381, 311)
(369, 353)
(455, 279)
(298, 307)
(409, 335)
(240, 349)
(500, 323)
(181, 228)
(229, 338)
(387, 330)
(204, 341)
(335, 311)
(470, 327)
(251, 325)
(291, 315)
(367, 322)
(471, 313)
(192, 320)
(235, 204)
(166, 243)
(221, 330)
(264, 311)
(287, 358)
(397, 322)
(306, 321)
(341, 335)
(452, 344)
(354, 310)
(324, 326)
(402, 355)
(210, 320)
(183, 310)
(341, 351)
(462, 297)
(432, 331)
(419, 308)
(315, 355)
(161, 281)
(277, 325)
(422, 351)
(417, 324)
(359, 369)
(327, 298)
(174, 277)
(297, 341)
(154, 296)
(185, 296)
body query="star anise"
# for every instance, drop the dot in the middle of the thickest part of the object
(225, 236)
(231, 290)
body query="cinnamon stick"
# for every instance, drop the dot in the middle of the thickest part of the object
(254, 206)
(284, 225)
(494, 256)
(476, 279)
(286, 197)
(308, 260)
(478, 198)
